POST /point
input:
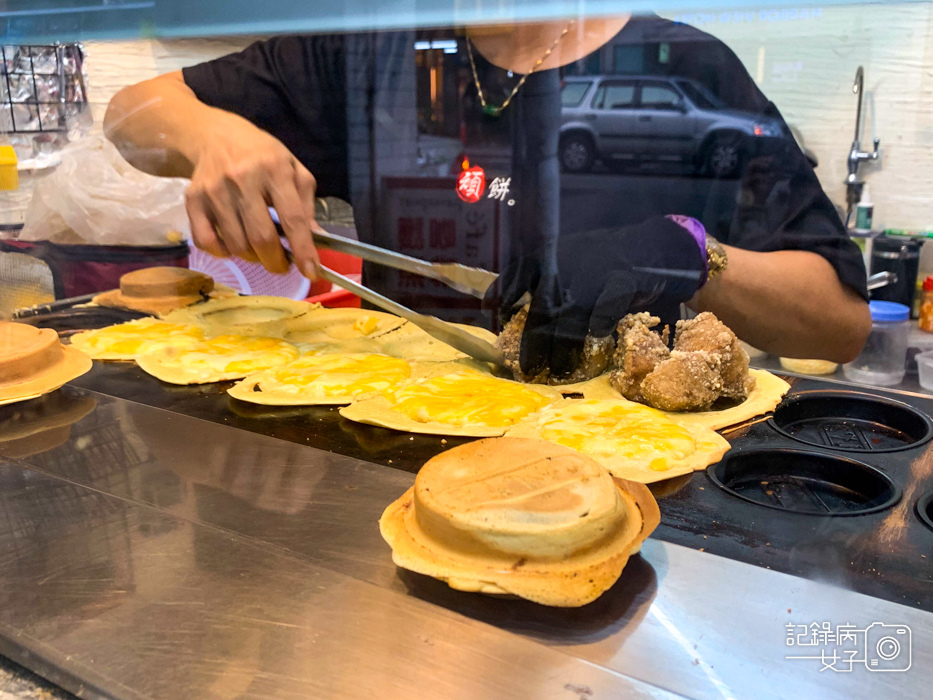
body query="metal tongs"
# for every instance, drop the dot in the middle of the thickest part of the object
(468, 280)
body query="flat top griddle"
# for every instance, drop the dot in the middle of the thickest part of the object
(886, 554)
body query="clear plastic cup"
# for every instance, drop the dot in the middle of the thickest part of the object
(882, 361)
(925, 369)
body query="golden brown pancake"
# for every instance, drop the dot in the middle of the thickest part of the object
(816, 367)
(521, 517)
(158, 290)
(34, 362)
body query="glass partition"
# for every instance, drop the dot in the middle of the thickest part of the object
(525, 139)
(39, 21)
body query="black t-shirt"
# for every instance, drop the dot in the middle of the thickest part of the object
(294, 87)
(324, 97)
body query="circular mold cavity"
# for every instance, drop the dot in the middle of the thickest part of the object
(851, 422)
(925, 509)
(803, 482)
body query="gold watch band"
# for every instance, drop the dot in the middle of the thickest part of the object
(716, 258)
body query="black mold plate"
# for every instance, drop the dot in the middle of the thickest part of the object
(925, 509)
(73, 321)
(809, 483)
(851, 422)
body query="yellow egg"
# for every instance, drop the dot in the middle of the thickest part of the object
(366, 324)
(468, 397)
(345, 374)
(631, 440)
(323, 379)
(627, 430)
(127, 340)
(219, 358)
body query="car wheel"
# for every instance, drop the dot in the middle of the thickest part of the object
(725, 155)
(576, 154)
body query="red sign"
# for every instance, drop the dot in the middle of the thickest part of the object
(471, 184)
(425, 217)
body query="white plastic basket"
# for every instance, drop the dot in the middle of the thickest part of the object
(249, 278)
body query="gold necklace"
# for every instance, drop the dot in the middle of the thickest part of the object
(492, 110)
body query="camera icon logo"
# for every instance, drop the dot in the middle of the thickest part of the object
(888, 647)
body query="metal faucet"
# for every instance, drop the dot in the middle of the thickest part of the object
(856, 155)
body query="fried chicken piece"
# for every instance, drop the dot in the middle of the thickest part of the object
(509, 344)
(597, 354)
(686, 381)
(642, 318)
(707, 333)
(640, 349)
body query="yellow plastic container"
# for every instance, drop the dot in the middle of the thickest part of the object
(9, 176)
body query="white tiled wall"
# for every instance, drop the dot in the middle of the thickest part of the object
(113, 65)
(805, 61)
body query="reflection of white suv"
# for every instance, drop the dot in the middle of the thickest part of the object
(635, 118)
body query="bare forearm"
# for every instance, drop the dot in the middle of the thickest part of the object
(158, 125)
(789, 303)
(237, 170)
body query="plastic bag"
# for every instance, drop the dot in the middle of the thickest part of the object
(95, 196)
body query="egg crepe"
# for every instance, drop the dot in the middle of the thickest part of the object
(247, 315)
(766, 394)
(356, 346)
(406, 342)
(631, 440)
(216, 359)
(328, 325)
(411, 343)
(453, 400)
(125, 341)
(323, 380)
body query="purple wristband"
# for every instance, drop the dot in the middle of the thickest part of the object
(698, 231)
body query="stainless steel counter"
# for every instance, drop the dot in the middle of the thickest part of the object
(148, 554)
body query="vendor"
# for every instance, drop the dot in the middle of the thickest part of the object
(269, 126)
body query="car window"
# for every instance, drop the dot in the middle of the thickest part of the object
(699, 97)
(656, 96)
(572, 93)
(615, 96)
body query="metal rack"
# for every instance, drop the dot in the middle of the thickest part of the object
(43, 89)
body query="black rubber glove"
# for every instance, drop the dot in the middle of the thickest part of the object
(534, 220)
(598, 282)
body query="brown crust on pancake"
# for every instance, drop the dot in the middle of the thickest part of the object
(566, 581)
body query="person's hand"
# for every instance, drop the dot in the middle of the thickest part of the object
(602, 277)
(238, 173)
(528, 275)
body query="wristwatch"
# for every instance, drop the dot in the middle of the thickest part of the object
(716, 258)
